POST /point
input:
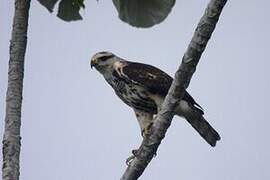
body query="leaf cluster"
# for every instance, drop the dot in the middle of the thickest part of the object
(138, 13)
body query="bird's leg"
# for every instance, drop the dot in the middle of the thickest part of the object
(146, 130)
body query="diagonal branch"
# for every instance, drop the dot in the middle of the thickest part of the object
(181, 81)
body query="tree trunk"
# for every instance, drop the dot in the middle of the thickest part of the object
(11, 139)
(181, 81)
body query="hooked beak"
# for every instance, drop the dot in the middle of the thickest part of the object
(93, 62)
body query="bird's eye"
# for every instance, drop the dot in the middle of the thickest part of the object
(104, 58)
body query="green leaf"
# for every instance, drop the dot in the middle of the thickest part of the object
(143, 13)
(49, 4)
(68, 10)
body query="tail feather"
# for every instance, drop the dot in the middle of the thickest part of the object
(207, 132)
(194, 116)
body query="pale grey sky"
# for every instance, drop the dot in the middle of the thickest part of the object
(74, 127)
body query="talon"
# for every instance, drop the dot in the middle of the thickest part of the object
(134, 152)
(130, 159)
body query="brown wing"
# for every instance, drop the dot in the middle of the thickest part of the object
(150, 77)
(154, 80)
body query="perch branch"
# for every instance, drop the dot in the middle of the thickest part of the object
(181, 81)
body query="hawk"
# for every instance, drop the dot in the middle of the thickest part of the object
(143, 87)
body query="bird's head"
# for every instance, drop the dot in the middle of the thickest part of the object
(103, 61)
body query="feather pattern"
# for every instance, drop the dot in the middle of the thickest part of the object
(154, 80)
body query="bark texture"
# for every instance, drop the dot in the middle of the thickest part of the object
(181, 81)
(12, 138)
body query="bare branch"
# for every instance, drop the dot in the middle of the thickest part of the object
(181, 81)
